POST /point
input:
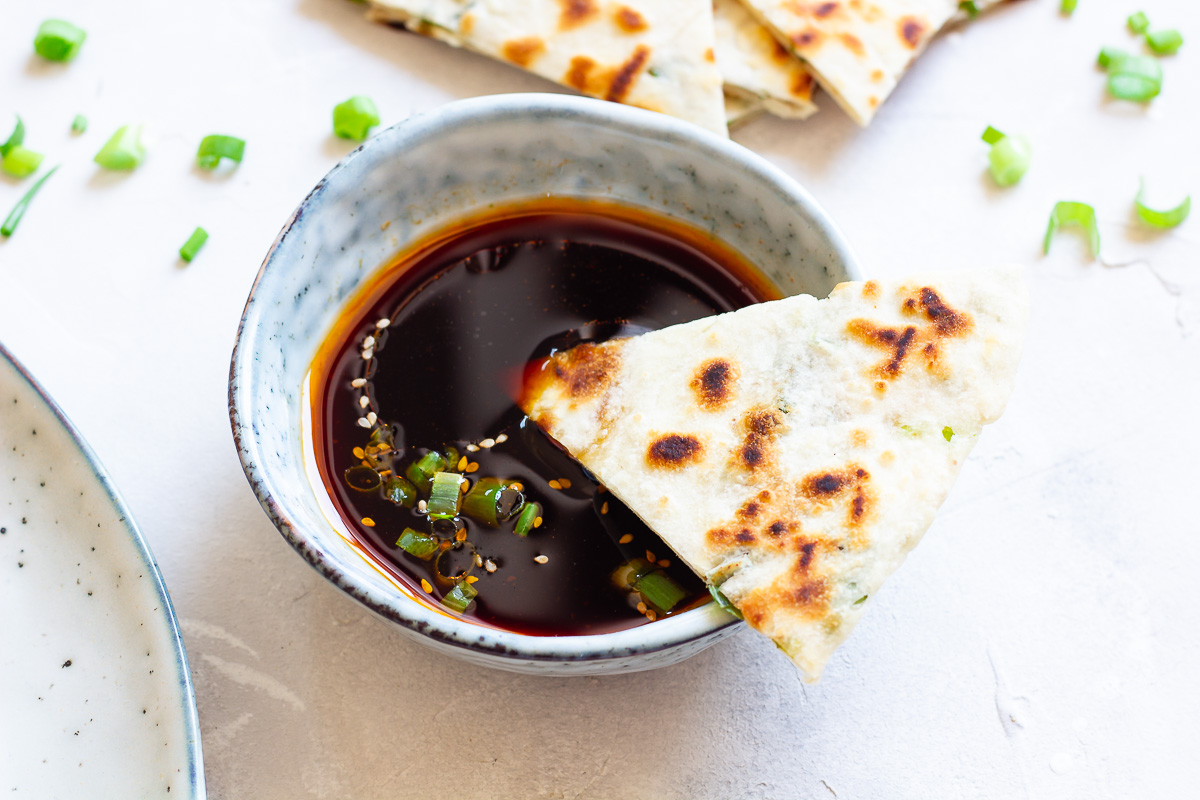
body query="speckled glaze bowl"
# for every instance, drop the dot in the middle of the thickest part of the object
(423, 174)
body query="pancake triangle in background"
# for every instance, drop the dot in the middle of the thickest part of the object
(793, 452)
(759, 73)
(655, 54)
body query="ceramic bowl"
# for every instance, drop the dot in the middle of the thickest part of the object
(423, 174)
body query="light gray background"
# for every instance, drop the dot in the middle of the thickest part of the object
(1041, 642)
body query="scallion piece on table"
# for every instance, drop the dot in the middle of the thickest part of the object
(417, 544)
(354, 118)
(660, 590)
(400, 491)
(14, 216)
(445, 494)
(14, 139)
(1137, 78)
(21, 162)
(215, 147)
(991, 135)
(947, 433)
(1067, 212)
(527, 519)
(1109, 55)
(123, 150)
(1162, 219)
(421, 471)
(461, 596)
(58, 40)
(723, 602)
(1009, 158)
(969, 8)
(1165, 43)
(79, 124)
(1068, 7)
(1138, 23)
(491, 502)
(192, 246)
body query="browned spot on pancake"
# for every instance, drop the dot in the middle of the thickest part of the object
(947, 321)
(853, 44)
(466, 24)
(860, 438)
(779, 527)
(759, 429)
(850, 482)
(873, 102)
(877, 75)
(794, 595)
(944, 322)
(577, 75)
(807, 39)
(779, 52)
(522, 52)
(575, 12)
(823, 10)
(802, 84)
(713, 383)
(871, 289)
(745, 536)
(911, 30)
(710, 56)
(764, 495)
(749, 510)
(627, 74)
(674, 450)
(587, 370)
(806, 555)
(629, 20)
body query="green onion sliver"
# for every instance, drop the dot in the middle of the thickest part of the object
(14, 216)
(361, 478)
(527, 519)
(632, 571)
(660, 590)
(215, 147)
(724, 602)
(947, 433)
(1165, 43)
(991, 135)
(1162, 219)
(123, 150)
(1009, 159)
(1137, 78)
(1138, 23)
(400, 491)
(461, 596)
(1067, 212)
(417, 544)
(491, 502)
(1109, 55)
(444, 495)
(21, 162)
(58, 40)
(193, 245)
(15, 139)
(79, 124)
(421, 471)
(969, 8)
(1068, 7)
(354, 118)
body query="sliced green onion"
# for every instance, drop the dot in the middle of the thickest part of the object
(1162, 219)
(1068, 7)
(400, 492)
(860, 600)
(991, 135)
(1137, 78)
(660, 590)
(452, 459)
(362, 478)
(14, 216)
(461, 596)
(491, 502)
(724, 602)
(421, 471)
(417, 544)
(1067, 212)
(79, 124)
(58, 40)
(1138, 23)
(445, 494)
(1109, 55)
(947, 433)
(215, 147)
(1165, 43)
(354, 118)
(17, 137)
(632, 571)
(21, 162)
(527, 519)
(123, 150)
(969, 8)
(1009, 159)
(193, 245)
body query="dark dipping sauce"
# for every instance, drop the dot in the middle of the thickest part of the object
(469, 311)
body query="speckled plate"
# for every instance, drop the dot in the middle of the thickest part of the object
(95, 695)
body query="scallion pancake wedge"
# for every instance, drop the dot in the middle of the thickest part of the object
(655, 54)
(756, 67)
(793, 452)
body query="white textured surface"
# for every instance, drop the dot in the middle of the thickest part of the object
(1040, 643)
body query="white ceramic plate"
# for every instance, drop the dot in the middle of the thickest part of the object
(95, 695)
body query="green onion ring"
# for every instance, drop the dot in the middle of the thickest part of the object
(1068, 212)
(1169, 218)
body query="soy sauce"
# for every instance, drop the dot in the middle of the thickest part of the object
(467, 312)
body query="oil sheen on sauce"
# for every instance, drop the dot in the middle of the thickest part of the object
(468, 311)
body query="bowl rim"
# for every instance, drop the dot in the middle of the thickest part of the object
(666, 634)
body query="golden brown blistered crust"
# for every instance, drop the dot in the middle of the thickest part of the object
(674, 450)
(807, 39)
(912, 29)
(629, 20)
(575, 13)
(611, 84)
(853, 44)
(581, 373)
(522, 52)
(943, 322)
(713, 383)
(760, 427)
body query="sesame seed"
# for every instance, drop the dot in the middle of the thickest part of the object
(364, 401)
(472, 579)
(487, 443)
(541, 559)
(502, 438)
(464, 487)
(664, 562)
(383, 323)
(516, 486)
(368, 343)
(358, 452)
(472, 448)
(363, 422)
(604, 508)
(537, 523)
(422, 506)
(425, 585)
(358, 383)
(461, 536)
(462, 463)
(474, 465)
(600, 489)
(489, 565)
(650, 615)
(478, 560)
(368, 354)
(641, 607)
(371, 417)
(566, 484)
(370, 523)
(650, 557)
(626, 539)
(555, 484)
